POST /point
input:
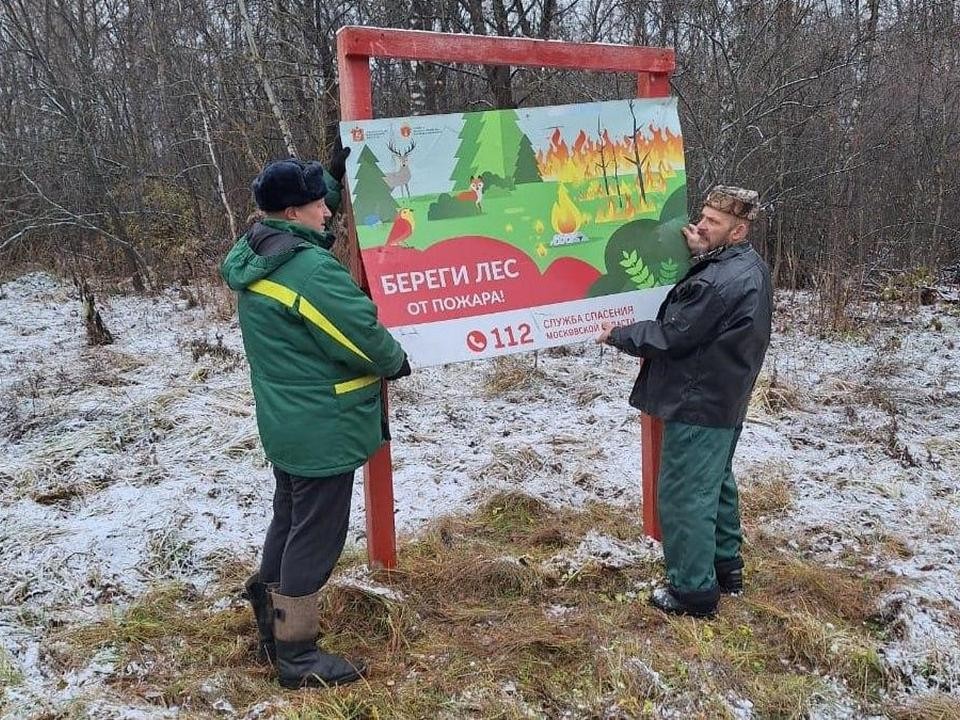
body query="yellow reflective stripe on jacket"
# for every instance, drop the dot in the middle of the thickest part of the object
(356, 384)
(283, 295)
(286, 296)
(321, 321)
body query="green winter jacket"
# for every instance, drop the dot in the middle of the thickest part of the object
(316, 350)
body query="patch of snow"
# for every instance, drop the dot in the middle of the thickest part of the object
(606, 552)
(359, 579)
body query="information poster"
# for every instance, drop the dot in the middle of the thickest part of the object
(504, 231)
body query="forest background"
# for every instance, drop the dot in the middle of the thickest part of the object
(130, 130)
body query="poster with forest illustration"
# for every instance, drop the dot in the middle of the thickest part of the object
(499, 231)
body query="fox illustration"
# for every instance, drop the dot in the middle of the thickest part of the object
(475, 193)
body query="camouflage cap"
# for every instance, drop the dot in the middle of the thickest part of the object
(744, 204)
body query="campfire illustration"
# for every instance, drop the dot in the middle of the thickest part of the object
(566, 220)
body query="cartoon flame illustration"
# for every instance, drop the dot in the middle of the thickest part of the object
(538, 228)
(654, 181)
(662, 149)
(565, 216)
(612, 212)
(541, 250)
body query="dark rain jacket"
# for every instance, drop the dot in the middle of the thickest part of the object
(705, 349)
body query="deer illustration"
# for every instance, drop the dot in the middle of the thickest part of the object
(400, 177)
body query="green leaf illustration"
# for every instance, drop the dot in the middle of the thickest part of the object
(639, 273)
(668, 272)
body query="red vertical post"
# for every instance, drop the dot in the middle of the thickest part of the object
(356, 103)
(643, 85)
(651, 84)
(651, 444)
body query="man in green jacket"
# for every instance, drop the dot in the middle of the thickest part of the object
(317, 357)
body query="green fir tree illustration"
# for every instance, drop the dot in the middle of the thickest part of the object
(498, 144)
(668, 272)
(527, 170)
(373, 199)
(467, 152)
(639, 273)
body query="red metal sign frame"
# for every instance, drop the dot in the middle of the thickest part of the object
(355, 47)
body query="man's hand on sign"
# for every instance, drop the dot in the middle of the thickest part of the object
(696, 242)
(605, 328)
(337, 165)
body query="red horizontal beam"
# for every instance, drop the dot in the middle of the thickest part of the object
(483, 50)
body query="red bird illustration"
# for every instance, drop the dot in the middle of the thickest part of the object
(402, 228)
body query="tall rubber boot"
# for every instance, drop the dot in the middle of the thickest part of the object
(729, 575)
(695, 603)
(258, 593)
(299, 662)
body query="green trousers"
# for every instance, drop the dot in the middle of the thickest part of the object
(697, 503)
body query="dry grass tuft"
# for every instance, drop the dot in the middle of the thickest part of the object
(169, 554)
(510, 373)
(548, 537)
(785, 696)
(498, 578)
(545, 643)
(623, 523)
(465, 576)
(102, 366)
(230, 570)
(517, 466)
(774, 396)
(821, 614)
(59, 494)
(888, 544)
(186, 647)
(930, 707)
(201, 347)
(349, 705)
(766, 493)
(586, 395)
(794, 582)
(511, 514)
(10, 675)
(355, 615)
(822, 644)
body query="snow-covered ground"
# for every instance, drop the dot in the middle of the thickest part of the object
(138, 462)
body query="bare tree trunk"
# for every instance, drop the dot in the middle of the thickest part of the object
(603, 160)
(267, 85)
(97, 332)
(637, 161)
(216, 166)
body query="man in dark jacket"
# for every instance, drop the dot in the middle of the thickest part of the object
(317, 357)
(702, 356)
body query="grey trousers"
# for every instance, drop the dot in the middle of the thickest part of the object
(308, 531)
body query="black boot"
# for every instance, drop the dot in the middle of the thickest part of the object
(258, 594)
(697, 603)
(299, 662)
(730, 575)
